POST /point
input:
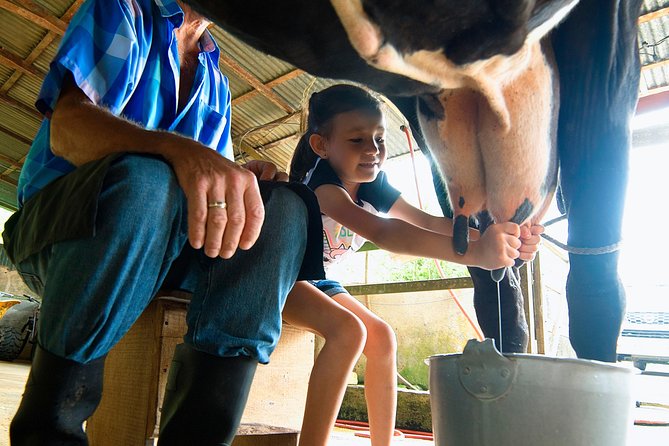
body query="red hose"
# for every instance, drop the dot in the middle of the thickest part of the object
(362, 430)
(479, 335)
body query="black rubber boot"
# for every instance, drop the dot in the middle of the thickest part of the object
(60, 395)
(204, 398)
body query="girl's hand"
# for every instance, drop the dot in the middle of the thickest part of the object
(498, 247)
(530, 238)
(264, 170)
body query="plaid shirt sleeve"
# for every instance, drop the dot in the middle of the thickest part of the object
(100, 50)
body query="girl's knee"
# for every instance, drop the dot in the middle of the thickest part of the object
(348, 331)
(381, 339)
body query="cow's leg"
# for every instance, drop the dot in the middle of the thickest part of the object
(596, 51)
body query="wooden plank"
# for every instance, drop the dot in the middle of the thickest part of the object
(279, 391)
(16, 136)
(271, 84)
(35, 14)
(653, 91)
(41, 46)
(658, 64)
(14, 62)
(405, 287)
(137, 368)
(653, 15)
(130, 370)
(262, 435)
(34, 54)
(20, 106)
(526, 289)
(255, 83)
(538, 305)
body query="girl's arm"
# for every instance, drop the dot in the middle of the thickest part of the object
(402, 210)
(499, 246)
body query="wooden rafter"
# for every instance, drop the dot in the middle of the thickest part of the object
(35, 14)
(653, 15)
(12, 164)
(270, 145)
(14, 62)
(34, 54)
(41, 46)
(16, 165)
(658, 64)
(271, 84)
(16, 136)
(654, 91)
(19, 106)
(249, 78)
(9, 181)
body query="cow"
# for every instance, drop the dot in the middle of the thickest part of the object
(424, 54)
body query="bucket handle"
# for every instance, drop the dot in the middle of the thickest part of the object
(484, 372)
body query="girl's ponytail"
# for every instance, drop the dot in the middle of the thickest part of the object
(303, 158)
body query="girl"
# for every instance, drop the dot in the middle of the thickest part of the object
(340, 157)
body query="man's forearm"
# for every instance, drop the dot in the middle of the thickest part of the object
(82, 131)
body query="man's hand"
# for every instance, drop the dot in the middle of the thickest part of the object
(264, 170)
(207, 178)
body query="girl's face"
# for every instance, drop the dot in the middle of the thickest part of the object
(356, 147)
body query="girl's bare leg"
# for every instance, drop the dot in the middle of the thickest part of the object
(344, 334)
(381, 371)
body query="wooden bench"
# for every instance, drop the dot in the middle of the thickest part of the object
(136, 371)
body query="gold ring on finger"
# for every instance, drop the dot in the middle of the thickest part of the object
(217, 204)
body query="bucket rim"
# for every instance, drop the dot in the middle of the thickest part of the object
(532, 357)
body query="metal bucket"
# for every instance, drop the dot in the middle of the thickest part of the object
(483, 398)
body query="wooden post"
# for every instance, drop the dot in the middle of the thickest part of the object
(526, 289)
(538, 301)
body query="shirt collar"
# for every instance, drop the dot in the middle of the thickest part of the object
(171, 10)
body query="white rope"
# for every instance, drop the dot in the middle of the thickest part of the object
(608, 249)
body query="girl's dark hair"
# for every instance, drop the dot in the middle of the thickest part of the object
(323, 107)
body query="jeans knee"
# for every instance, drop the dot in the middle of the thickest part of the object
(144, 185)
(285, 220)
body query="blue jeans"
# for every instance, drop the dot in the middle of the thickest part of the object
(94, 288)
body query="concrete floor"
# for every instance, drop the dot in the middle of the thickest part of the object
(648, 388)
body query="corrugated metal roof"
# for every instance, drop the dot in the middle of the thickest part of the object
(27, 41)
(654, 46)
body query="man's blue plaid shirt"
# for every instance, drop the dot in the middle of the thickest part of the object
(123, 55)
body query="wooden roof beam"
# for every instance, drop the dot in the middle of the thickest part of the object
(35, 14)
(41, 46)
(653, 15)
(13, 134)
(272, 144)
(249, 78)
(271, 84)
(658, 64)
(34, 54)
(14, 62)
(20, 106)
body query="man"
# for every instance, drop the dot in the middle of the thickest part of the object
(122, 194)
